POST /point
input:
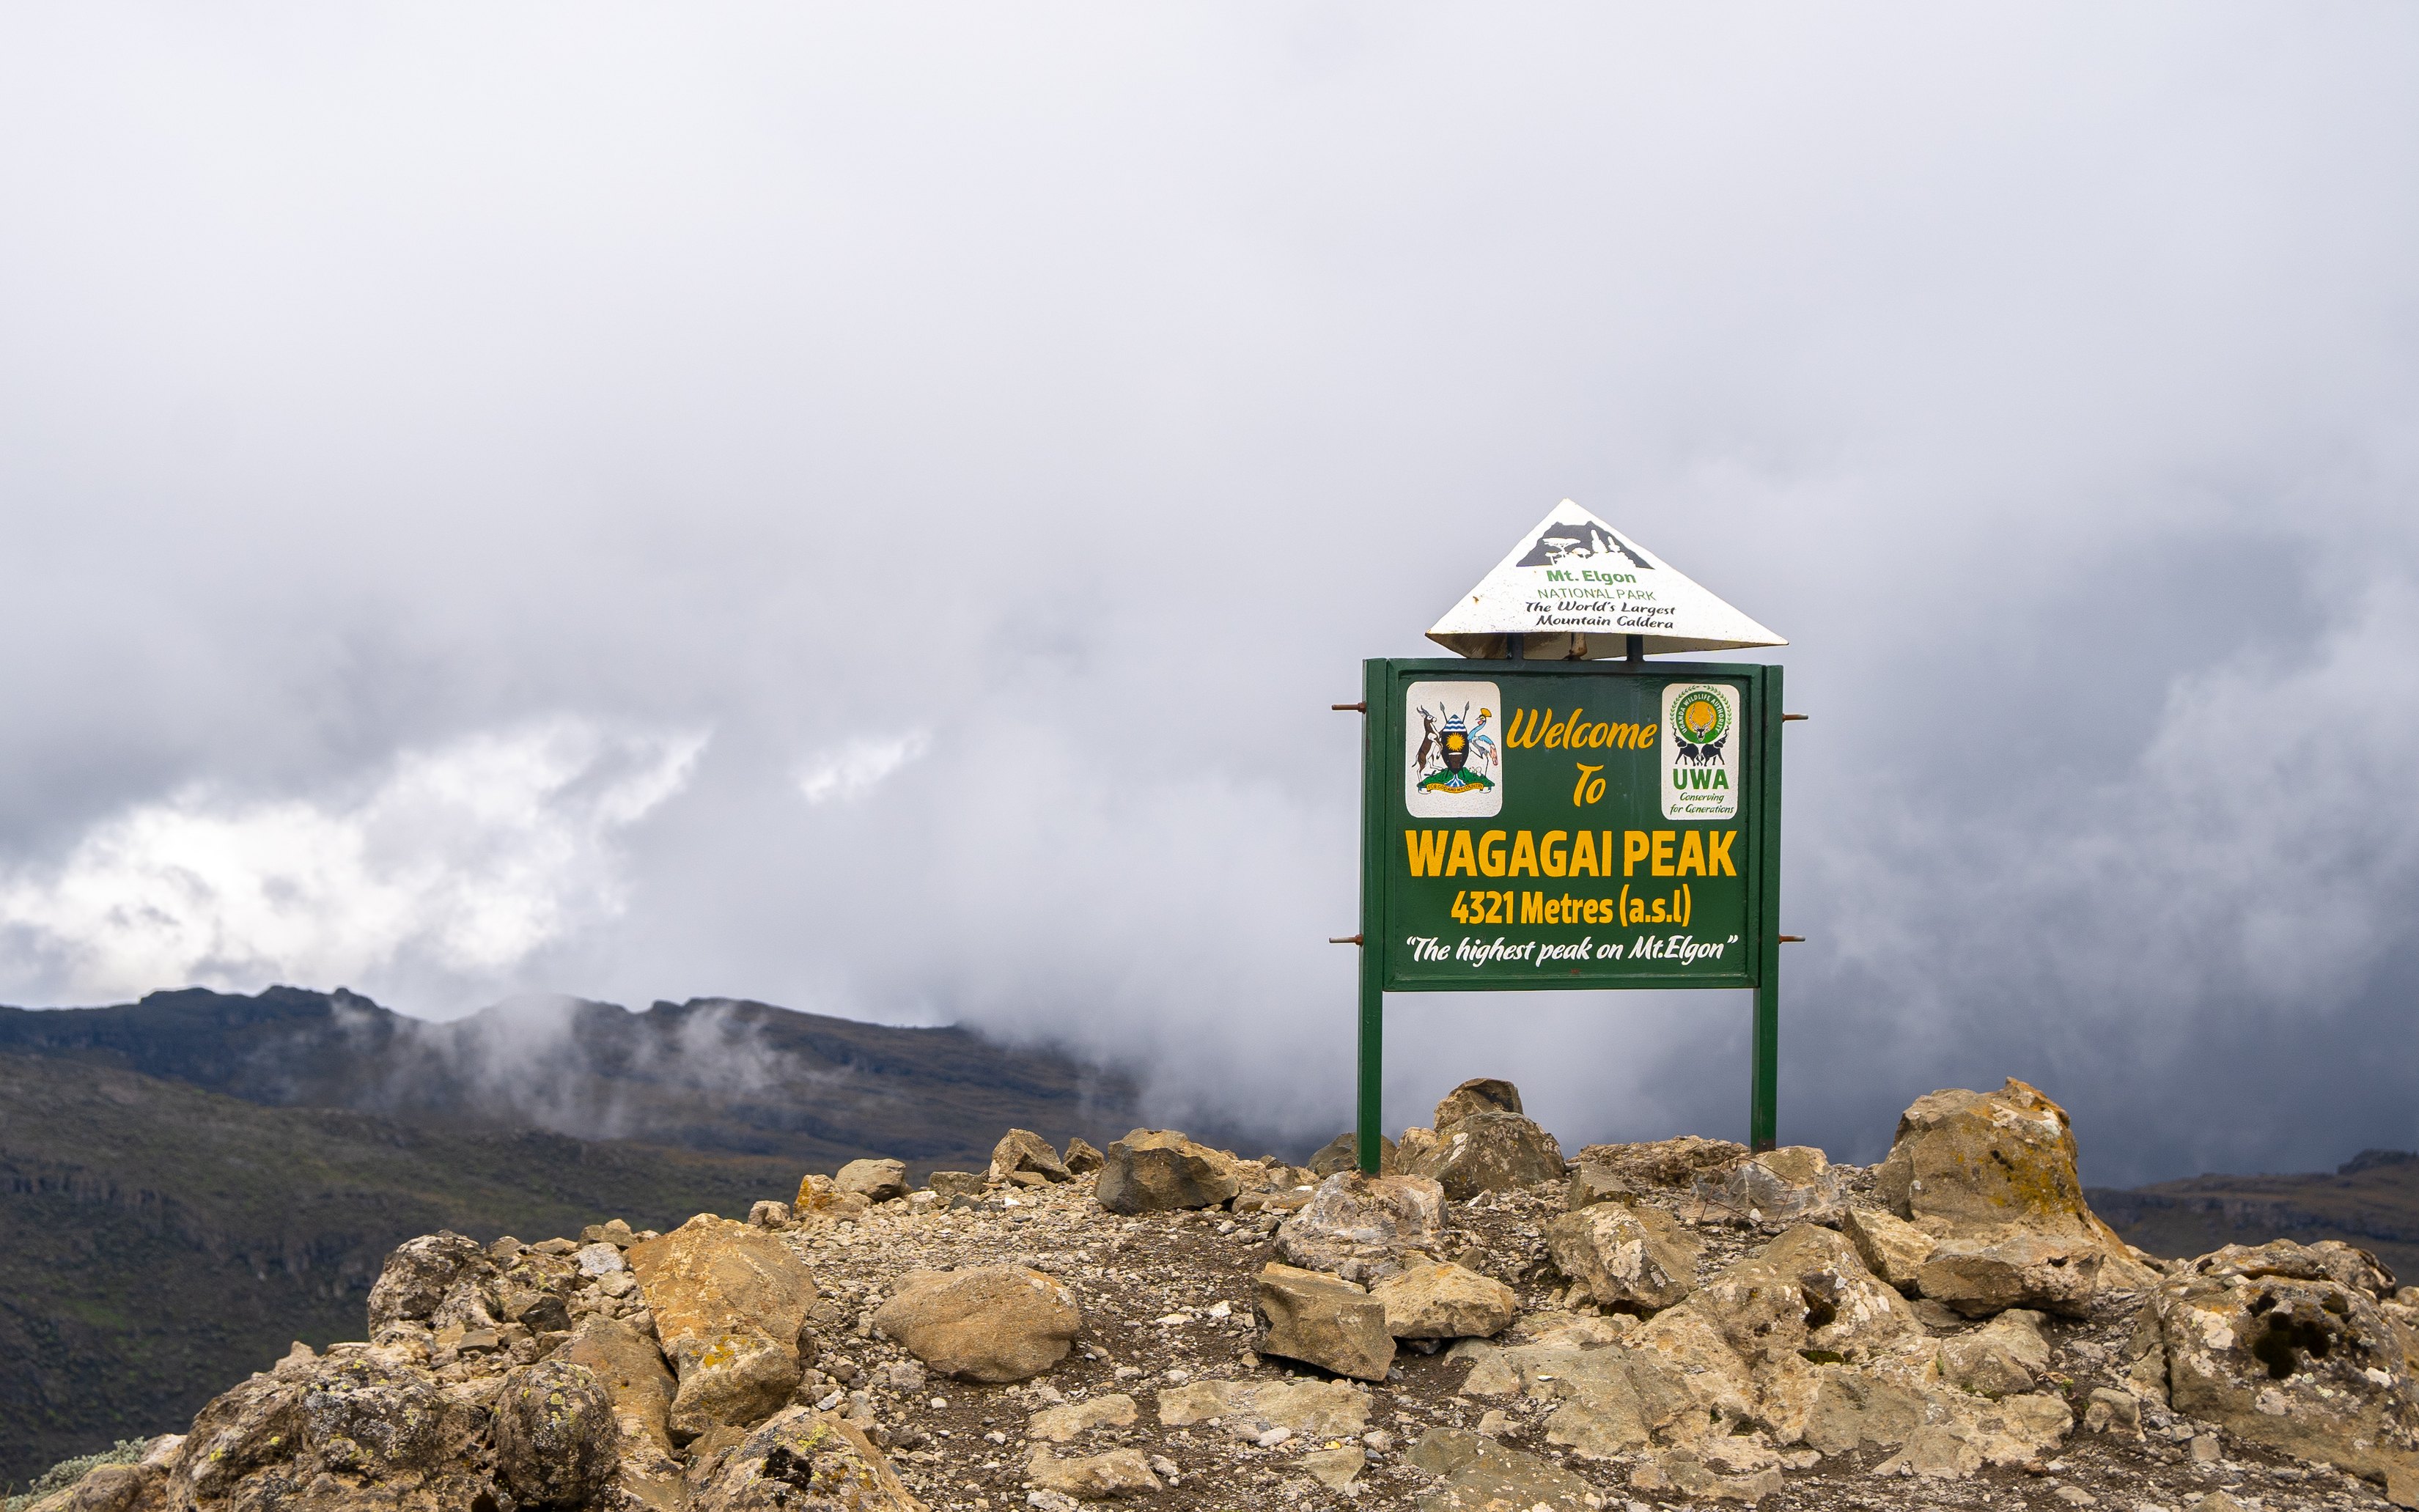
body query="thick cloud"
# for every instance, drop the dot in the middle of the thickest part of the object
(869, 510)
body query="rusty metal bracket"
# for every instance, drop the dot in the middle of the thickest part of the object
(1343, 940)
(1786, 718)
(1793, 939)
(1356, 708)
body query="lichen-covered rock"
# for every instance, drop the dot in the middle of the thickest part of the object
(1625, 1256)
(1313, 1317)
(993, 1323)
(1490, 1151)
(359, 1424)
(420, 1274)
(1445, 1301)
(2304, 1365)
(557, 1444)
(799, 1460)
(1159, 1170)
(715, 1275)
(1362, 1228)
(1992, 1175)
(727, 1380)
(727, 1302)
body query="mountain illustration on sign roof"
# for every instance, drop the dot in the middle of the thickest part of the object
(1575, 589)
(1561, 543)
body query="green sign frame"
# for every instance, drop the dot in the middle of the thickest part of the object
(1529, 844)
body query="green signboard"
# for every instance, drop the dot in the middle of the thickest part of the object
(1569, 824)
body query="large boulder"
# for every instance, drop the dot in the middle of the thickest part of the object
(798, 1458)
(2059, 1272)
(1021, 1150)
(993, 1323)
(557, 1444)
(2288, 1347)
(876, 1180)
(1625, 1256)
(1159, 1170)
(1490, 1151)
(727, 1302)
(717, 1276)
(1992, 1175)
(1362, 1228)
(1445, 1301)
(1313, 1317)
(1480, 1094)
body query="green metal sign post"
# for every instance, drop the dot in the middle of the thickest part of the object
(1565, 826)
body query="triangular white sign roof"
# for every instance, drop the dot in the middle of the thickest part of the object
(1576, 587)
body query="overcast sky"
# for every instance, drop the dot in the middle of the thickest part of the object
(866, 508)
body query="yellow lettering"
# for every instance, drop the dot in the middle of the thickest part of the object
(1553, 732)
(1552, 862)
(1427, 851)
(1578, 792)
(1717, 854)
(1692, 853)
(1533, 908)
(1461, 864)
(1658, 917)
(1574, 734)
(1490, 853)
(1583, 855)
(1662, 859)
(1633, 849)
(1514, 736)
(1524, 853)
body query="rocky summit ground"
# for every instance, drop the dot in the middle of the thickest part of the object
(1485, 1325)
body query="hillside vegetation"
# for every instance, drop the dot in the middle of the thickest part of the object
(190, 1183)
